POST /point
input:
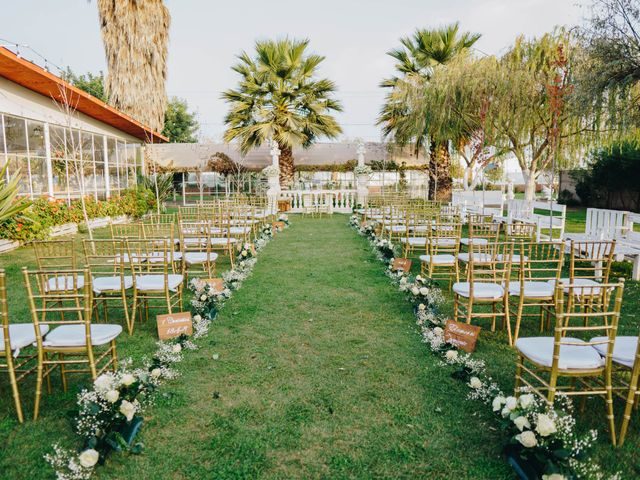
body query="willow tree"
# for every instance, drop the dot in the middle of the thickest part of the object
(279, 97)
(419, 57)
(135, 34)
(525, 119)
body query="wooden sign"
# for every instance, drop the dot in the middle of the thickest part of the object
(462, 335)
(278, 226)
(403, 264)
(173, 325)
(217, 284)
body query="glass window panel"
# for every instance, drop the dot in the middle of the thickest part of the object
(16, 163)
(98, 155)
(15, 133)
(57, 139)
(59, 168)
(39, 183)
(35, 132)
(73, 144)
(122, 174)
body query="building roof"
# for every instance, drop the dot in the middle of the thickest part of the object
(194, 156)
(39, 80)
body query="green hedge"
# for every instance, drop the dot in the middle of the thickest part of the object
(35, 222)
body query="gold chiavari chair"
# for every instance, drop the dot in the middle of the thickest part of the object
(195, 244)
(57, 255)
(112, 280)
(221, 239)
(487, 285)
(15, 337)
(160, 218)
(441, 259)
(482, 233)
(538, 264)
(73, 340)
(478, 218)
(517, 231)
(626, 371)
(544, 362)
(154, 276)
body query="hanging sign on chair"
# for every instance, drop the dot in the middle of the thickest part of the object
(403, 264)
(217, 284)
(462, 335)
(172, 325)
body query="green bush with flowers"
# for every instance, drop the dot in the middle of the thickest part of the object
(35, 222)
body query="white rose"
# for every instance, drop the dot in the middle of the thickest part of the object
(403, 280)
(203, 298)
(526, 400)
(242, 264)
(497, 403)
(127, 409)
(127, 379)
(505, 412)
(451, 355)
(554, 476)
(527, 439)
(89, 458)
(244, 253)
(112, 396)
(418, 278)
(156, 372)
(103, 382)
(415, 290)
(511, 403)
(424, 291)
(421, 306)
(522, 423)
(177, 348)
(475, 382)
(545, 426)
(438, 331)
(197, 318)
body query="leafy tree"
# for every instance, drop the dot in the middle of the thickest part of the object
(91, 83)
(280, 98)
(420, 56)
(180, 125)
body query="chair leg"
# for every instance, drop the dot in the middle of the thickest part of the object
(507, 319)
(133, 313)
(36, 406)
(518, 318)
(626, 418)
(455, 307)
(63, 372)
(114, 356)
(14, 388)
(518, 380)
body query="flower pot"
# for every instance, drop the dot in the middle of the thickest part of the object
(524, 468)
(64, 229)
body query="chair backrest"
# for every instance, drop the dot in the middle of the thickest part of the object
(601, 306)
(195, 236)
(520, 231)
(55, 254)
(126, 230)
(158, 230)
(477, 218)
(539, 261)
(591, 260)
(151, 258)
(106, 257)
(490, 263)
(53, 307)
(160, 218)
(444, 238)
(486, 231)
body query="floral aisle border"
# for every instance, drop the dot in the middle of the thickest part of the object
(110, 413)
(542, 437)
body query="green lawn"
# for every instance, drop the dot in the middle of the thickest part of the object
(321, 374)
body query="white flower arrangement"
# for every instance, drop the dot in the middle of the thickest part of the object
(271, 171)
(284, 218)
(362, 170)
(530, 423)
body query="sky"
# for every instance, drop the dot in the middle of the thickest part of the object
(353, 35)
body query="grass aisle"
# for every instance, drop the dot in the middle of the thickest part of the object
(320, 375)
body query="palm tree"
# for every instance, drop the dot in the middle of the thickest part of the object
(279, 98)
(417, 59)
(136, 35)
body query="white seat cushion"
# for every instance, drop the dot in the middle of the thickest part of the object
(421, 241)
(193, 258)
(153, 283)
(63, 283)
(395, 228)
(587, 282)
(487, 291)
(624, 350)
(572, 357)
(222, 240)
(74, 335)
(443, 259)
(477, 257)
(475, 241)
(443, 242)
(532, 289)
(21, 335)
(515, 258)
(106, 284)
(239, 230)
(421, 228)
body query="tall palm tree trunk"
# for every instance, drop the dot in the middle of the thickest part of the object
(439, 172)
(286, 166)
(135, 34)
